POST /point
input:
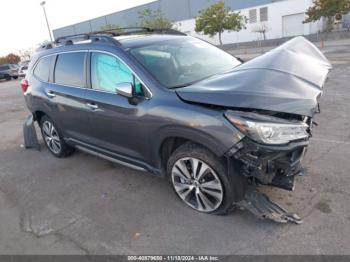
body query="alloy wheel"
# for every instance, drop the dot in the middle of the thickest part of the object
(51, 137)
(197, 184)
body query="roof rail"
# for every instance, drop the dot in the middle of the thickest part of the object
(98, 36)
(107, 35)
(169, 31)
(118, 31)
(45, 46)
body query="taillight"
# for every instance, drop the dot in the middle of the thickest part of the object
(24, 85)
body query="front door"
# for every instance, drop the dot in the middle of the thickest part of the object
(116, 122)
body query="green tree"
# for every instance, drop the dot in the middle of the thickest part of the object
(112, 28)
(13, 59)
(10, 59)
(3, 60)
(218, 18)
(327, 9)
(154, 19)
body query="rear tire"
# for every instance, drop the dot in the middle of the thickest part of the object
(15, 77)
(53, 138)
(199, 178)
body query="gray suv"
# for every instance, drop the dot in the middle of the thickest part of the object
(178, 107)
(8, 71)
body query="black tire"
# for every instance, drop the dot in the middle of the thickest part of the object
(8, 78)
(15, 77)
(64, 149)
(192, 150)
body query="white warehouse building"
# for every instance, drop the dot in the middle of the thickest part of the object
(280, 18)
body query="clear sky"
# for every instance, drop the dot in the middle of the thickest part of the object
(22, 22)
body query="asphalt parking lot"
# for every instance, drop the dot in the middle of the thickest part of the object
(86, 205)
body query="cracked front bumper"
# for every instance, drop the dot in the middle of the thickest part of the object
(270, 165)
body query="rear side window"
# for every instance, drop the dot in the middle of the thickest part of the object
(42, 69)
(69, 69)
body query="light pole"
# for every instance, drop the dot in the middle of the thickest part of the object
(47, 22)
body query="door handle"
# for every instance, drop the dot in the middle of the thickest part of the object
(92, 106)
(50, 93)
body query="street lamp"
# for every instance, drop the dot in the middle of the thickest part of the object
(47, 22)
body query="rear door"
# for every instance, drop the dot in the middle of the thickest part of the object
(67, 92)
(117, 122)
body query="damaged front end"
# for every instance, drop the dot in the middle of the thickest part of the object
(270, 154)
(270, 165)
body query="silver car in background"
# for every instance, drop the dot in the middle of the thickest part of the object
(23, 71)
(9, 71)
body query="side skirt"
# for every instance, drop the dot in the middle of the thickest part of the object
(110, 158)
(113, 157)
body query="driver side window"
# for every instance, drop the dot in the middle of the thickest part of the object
(107, 72)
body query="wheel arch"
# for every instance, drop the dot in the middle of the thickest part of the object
(38, 114)
(171, 140)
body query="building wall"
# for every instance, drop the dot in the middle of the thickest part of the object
(274, 24)
(174, 10)
(185, 11)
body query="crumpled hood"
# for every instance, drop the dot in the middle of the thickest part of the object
(286, 79)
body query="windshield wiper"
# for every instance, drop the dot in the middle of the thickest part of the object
(179, 86)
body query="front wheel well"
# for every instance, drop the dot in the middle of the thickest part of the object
(169, 145)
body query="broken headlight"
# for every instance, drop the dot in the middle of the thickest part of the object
(268, 129)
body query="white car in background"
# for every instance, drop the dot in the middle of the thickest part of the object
(22, 71)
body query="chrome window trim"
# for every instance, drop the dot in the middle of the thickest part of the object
(90, 51)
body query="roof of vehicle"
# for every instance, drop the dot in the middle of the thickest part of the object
(128, 38)
(125, 42)
(7, 65)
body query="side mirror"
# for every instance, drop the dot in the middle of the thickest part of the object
(124, 89)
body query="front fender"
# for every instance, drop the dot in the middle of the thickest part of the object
(217, 141)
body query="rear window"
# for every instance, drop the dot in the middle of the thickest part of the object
(42, 69)
(2, 68)
(69, 69)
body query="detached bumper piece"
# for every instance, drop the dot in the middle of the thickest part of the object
(261, 206)
(29, 133)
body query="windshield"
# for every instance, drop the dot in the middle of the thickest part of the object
(181, 62)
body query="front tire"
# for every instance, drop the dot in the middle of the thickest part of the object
(53, 139)
(199, 178)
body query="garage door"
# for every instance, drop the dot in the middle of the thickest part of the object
(293, 24)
